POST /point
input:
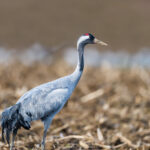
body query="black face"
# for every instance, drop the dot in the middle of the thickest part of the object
(91, 38)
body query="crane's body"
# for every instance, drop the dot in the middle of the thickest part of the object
(45, 101)
(49, 97)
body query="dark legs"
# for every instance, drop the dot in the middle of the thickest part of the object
(43, 140)
(13, 139)
(47, 123)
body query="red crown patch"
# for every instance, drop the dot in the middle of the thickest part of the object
(87, 34)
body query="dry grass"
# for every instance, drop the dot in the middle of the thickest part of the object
(116, 117)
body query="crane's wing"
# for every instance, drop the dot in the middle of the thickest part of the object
(44, 89)
(46, 99)
(46, 105)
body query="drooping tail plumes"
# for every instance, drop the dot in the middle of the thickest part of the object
(11, 121)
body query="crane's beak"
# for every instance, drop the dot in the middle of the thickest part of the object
(96, 41)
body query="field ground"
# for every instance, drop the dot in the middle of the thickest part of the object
(110, 108)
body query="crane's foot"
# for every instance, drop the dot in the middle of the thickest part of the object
(12, 147)
(42, 146)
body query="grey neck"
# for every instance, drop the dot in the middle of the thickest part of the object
(80, 64)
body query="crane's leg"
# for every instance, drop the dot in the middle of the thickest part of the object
(13, 139)
(47, 123)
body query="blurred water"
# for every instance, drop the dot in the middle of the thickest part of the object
(115, 59)
(6, 56)
(36, 53)
(33, 54)
(93, 57)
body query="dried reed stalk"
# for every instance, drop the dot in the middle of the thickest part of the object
(127, 141)
(92, 95)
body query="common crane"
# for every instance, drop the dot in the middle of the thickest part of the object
(45, 101)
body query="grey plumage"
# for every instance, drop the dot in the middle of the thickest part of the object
(44, 101)
(12, 120)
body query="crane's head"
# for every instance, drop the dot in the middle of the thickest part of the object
(88, 38)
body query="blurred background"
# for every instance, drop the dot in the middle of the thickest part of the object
(123, 24)
(111, 104)
(56, 25)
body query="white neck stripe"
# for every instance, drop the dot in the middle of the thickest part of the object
(82, 39)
